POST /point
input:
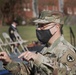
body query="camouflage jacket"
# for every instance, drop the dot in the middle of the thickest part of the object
(58, 59)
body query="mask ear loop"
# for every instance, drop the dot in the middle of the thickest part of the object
(54, 33)
(52, 27)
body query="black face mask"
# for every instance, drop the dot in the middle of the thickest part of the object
(43, 35)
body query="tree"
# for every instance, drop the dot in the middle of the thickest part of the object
(7, 10)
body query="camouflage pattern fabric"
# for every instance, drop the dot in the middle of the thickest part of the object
(58, 59)
(50, 16)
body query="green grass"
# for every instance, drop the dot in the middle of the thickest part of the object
(28, 32)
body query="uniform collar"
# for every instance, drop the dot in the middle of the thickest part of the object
(49, 49)
(14, 25)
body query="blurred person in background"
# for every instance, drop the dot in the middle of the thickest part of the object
(12, 29)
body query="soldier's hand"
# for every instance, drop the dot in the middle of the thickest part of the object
(28, 56)
(4, 58)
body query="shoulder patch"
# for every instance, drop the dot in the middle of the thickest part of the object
(68, 58)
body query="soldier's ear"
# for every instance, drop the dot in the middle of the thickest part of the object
(58, 26)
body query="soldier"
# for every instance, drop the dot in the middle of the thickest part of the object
(57, 59)
(12, 29)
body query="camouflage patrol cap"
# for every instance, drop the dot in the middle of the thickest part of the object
(50, 16)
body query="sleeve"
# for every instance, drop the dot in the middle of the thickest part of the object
(68, 58)
(45, 60)
(11, 31)
(47, 64)
(18, 68)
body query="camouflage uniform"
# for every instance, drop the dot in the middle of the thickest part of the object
(58, 59)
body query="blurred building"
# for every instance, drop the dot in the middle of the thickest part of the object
(34, 7)
(26, 10)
